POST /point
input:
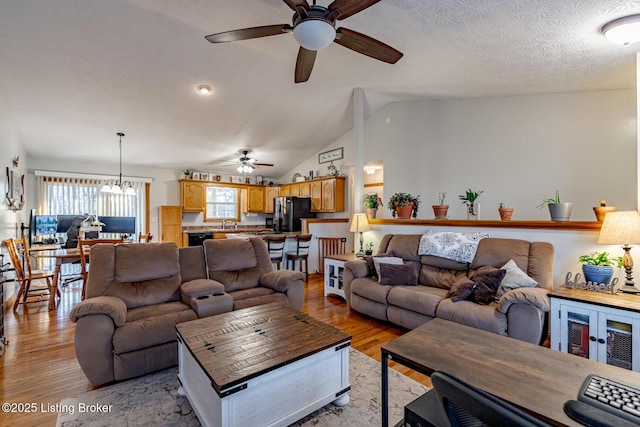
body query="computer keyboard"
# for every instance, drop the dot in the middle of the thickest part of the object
(621, 400)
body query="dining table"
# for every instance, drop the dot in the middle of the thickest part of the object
(61, 256)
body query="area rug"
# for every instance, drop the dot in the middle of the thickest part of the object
(153, 400)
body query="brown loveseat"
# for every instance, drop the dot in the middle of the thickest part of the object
(519, 313)
(137, 293)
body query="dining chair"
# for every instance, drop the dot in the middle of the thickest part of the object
(301, 254)
(85, 246)
(19, 248)
(275, 246)
(145, 237)
(330, 246)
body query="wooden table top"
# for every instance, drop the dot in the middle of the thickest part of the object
(343, 257)
(243, 344)
(619, 300)
(537, 379)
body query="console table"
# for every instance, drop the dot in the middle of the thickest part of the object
(536, 379)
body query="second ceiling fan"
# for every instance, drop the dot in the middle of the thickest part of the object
(314, 28)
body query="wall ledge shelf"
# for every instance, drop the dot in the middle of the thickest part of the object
(520, 224)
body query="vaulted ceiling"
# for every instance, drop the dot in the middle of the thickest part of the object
(73, 73)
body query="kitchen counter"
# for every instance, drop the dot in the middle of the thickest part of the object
(240, 229)
(245, 235)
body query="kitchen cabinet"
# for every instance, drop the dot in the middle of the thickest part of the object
(305, 189)
(270, 193)
(327, 194)
(596, 326)
(170, 224)
(253, 199)
(192, 196)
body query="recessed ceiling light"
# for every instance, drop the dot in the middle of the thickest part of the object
(623, 30)
(204, 89)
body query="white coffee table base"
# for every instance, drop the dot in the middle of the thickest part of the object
(276, 398)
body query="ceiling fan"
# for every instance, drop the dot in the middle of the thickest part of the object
(248, 164)
(314, 29)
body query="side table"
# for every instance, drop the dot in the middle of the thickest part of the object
(333, 269)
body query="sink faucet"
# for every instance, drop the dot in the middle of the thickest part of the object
(224, 224)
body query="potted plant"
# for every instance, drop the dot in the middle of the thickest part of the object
(602, 210)
(404, 205)
(371, 201)
(597, 267)
(368, 248)
(187, 173)
(440, 210)
(469, 199)
(505, 212)
(559, 211)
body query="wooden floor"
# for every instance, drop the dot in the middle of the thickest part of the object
(39, 367)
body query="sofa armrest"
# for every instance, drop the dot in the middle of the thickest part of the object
(536, 297)
(358, 268)
(110, 306)
(281, 280)
(199, 288)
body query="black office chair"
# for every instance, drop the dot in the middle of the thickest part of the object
(454, 403)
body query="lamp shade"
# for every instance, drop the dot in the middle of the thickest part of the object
(359, 223)
(314, 34)
(620, 228)
(625, 30)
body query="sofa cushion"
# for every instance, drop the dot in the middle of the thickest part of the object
(139, 263)
(404, 274)
(486, 280)
(515, 278)
(237, 279)
(150, 326)
(275, 297)
(385, 260)
(469, 313)
(421, 299)
(404, 246)
(439, 277)
(229, 255)
(370, 289)
(192, 264)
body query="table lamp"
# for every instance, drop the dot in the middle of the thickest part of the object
(359, 224)
(622, 228)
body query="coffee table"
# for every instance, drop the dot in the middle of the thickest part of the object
(268, 365)
(536, 379)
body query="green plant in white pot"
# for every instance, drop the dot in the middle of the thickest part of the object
(559, 211)
(597, 267)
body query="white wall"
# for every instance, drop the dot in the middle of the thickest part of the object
(10, 147)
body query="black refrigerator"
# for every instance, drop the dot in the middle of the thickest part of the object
(287, 212)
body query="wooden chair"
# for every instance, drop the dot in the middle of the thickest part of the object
(145, 237)
(25, 275)
(330, 246)
(85, 245)
(275, 245)
(303, 241)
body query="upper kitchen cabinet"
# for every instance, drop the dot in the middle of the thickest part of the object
(192, 196)
(253, 199)
(270, 193)
(327, 194)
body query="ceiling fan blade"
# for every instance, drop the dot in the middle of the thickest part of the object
(367, 45)
(294, 3)
(304, 64)
(249, 33)
(350, 7)
(262, 164)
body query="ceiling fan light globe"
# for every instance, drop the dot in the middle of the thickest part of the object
(623, 31)
(314, 34)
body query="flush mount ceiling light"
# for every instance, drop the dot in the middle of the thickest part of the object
(204, 89)
(370, 170)
(623, 31)
(118, 186)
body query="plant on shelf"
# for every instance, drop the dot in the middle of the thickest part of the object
(333, 170)
(404, 205)
(368, 248)
(559, 211)
(597, 267)
(440, 210)
(469, 199)
(602, 210)
(187, 173)
(505, 212)
(371, 201)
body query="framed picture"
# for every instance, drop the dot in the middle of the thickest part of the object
(195, 175)
(330, 156)
(259, 179)
(16, 186)
(204, 176)
(236, 179)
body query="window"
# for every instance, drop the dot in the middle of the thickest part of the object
(222, 203)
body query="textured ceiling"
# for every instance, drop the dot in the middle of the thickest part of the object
(73, 73)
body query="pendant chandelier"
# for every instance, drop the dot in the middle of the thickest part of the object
(118, 186)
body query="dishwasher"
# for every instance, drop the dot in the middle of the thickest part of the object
(197, 239)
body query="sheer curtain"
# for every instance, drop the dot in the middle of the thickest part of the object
(78, 196)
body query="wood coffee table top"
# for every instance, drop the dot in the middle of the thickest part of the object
(243, 344)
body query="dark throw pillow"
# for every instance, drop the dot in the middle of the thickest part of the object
(487, 281)
(461, 289)
(371, 268)
(393, 274)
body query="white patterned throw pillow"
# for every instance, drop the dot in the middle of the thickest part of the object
(459, 247)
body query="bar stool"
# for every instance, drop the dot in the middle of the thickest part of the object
(275, 246)
(303, 241)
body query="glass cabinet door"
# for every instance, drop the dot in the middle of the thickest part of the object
(578, 331)
(615, 338)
